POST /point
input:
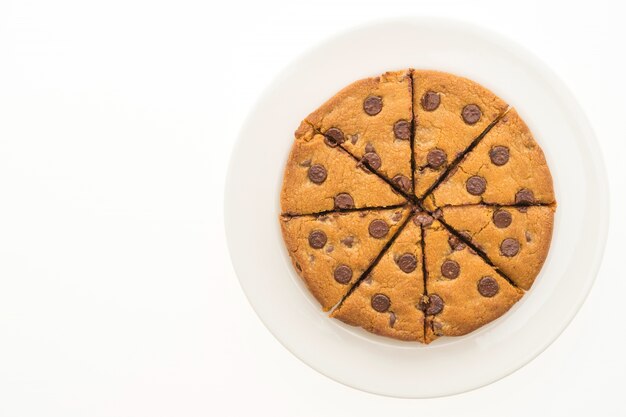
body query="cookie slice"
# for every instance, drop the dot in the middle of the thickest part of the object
(387, 301)
(450, 112)
(371, 118)
(516, 240)
(506, 167)
(332, 251)
(320, 178)
(464, 292)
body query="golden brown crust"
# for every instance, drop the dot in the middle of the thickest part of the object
(348, 242)
(300, 195)
(403, 287)
(531, 228)
(464, 308)
(365, 132)
(526, 168)
(444, 127)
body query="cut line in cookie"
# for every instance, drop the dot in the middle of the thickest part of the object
(348, 210)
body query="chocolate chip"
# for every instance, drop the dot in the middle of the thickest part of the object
(373, 105)
(450, 269)
(354, 138)
(423, 219)
(392, 319)
(372, 160)
(524, 196)
(434, 306)
(436, 158)
(528, 236)
(369, 148)
(317, 173)
(402, 182)
(430, 101)
(348, 241)
(407, 262)
(476, 185)
(343, 274)
(330, 248)
(455, 243)
(502, 219)
(396, 216)
(471, 114)
(509, 247)
(334, 137)
(378, 228)
(344, 201)
(317, 239)
(499, 155)
(402, 130)
(488, 287)
(380, 303)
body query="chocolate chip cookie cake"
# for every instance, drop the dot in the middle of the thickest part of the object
(416, 205)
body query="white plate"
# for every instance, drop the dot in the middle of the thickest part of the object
(449, 365)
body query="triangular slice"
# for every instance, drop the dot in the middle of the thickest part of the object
(506, 167)
(464, 292)
(320, 178)
(332, 251)
(516, 240)
(450, 112)
(387, 301)
(371, 118)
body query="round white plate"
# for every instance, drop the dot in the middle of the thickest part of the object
(449, 365)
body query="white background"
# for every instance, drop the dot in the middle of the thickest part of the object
(117, 296)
